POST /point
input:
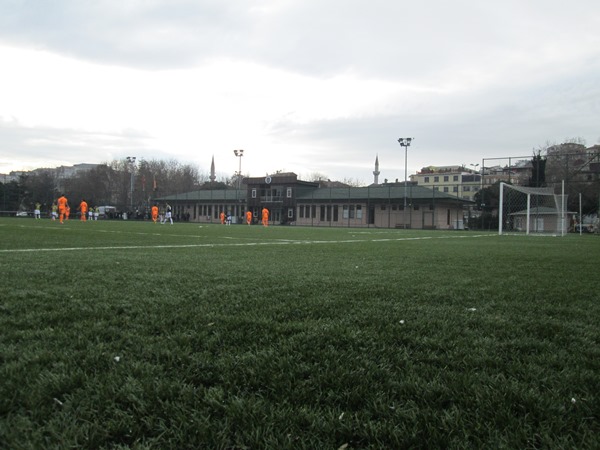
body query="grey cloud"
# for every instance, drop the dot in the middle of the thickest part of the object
(157, 34)
(379, 39)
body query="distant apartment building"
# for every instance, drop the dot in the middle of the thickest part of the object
(451, 180)
(465, 183)
(62, 172)
(573, 163)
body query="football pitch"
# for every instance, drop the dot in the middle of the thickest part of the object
(120, 334)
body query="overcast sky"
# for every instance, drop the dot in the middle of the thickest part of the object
(301, 85)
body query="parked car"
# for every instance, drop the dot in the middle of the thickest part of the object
(584, 228)
(107, 212)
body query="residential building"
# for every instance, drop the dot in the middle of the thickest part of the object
(456, 181)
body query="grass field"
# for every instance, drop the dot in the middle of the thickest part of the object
(136, 335)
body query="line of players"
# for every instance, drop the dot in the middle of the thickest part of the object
(226, 219)
(62, 211)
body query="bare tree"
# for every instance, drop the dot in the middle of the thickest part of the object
(37, 187)
(354, 182)
(316, 177)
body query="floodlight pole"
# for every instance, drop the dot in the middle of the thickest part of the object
(131, 162)
(475, 170)
(239, 153)
(405, 142)
(4, 193)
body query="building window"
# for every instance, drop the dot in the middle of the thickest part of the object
(446, 189)
(455, 177)
(290, 213)
(301, 211)
(322, 219)
(455, 189)
(345, 213)
(426, 180)
(314, 211)
(253, 193)
(335, 213)
(271, 194)
(359, 211)
(445, 178)
(352, 211)
(288, 193)
(436, 179)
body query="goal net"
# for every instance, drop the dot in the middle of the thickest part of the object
(531, 210)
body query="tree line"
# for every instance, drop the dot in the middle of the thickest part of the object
(119, 183)
(128, 186)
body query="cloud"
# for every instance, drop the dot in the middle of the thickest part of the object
(389, 39)
(309, 86)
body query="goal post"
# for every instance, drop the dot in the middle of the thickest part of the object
(531, 210)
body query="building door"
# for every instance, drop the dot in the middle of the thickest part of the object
(539, 224)
(276, 216)
(428, 220)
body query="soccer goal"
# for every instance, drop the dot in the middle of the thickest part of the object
(531, 210)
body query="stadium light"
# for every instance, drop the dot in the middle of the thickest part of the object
(405, 142)
(239, 154)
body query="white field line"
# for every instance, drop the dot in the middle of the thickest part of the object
(140, 233)
(237, 244)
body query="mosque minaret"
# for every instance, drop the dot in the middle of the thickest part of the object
(376, 172)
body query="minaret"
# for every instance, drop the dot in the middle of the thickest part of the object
(212, 170)
(376, 172)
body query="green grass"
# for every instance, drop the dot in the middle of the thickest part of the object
(137, 335)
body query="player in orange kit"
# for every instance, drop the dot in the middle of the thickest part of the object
(248, 217)
(63, 203)
(265, 217)
(222, 217)
(83, 207)
(154, 213)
